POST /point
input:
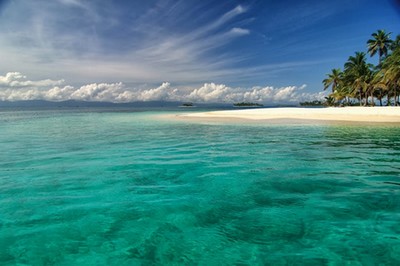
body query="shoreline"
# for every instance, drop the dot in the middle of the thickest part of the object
(387, 114)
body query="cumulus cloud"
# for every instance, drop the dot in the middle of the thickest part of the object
(221, 93)
(14, 87)
(98, 92)
(17, 80)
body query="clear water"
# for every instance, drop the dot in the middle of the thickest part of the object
(124, 188)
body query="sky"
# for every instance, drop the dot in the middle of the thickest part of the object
(268, 51)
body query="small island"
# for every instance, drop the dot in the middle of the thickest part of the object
(247, 104)
(187, 105)
(313, 103)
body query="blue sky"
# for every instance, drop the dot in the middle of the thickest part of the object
(241, 45)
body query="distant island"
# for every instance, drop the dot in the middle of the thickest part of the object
(187, 105)
(313, 103)
(247, 104)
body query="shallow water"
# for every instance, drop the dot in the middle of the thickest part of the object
(124, 188)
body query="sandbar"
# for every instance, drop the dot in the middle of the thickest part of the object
(376, 114)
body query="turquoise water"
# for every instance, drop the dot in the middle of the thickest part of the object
(126, 188)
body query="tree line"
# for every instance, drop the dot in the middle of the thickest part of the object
(366, 84)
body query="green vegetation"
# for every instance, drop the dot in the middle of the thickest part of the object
(187, 105)
(313, 103)
(247, 104)
(363, 82)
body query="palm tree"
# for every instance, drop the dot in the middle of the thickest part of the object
(334, 79)
(362, 80)
(395, 43)
(358, 75)
(343, 91)
(379, 86)
(380, 43)
(370, 85)
(391, 72)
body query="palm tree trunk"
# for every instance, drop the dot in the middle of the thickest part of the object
(372, 98)
(366, 98)
(379, 96)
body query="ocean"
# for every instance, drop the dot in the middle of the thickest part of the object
(110, 187)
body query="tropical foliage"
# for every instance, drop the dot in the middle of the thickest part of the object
(247, 104)
(363, 83)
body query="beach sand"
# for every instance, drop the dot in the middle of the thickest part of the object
(302, 115)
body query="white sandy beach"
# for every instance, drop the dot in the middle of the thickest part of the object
(346, 114)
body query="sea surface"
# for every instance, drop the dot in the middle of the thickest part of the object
(106, 187)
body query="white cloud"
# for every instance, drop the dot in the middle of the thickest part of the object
(238, 10)
(239, 31)
(72, 2)
(17, 80)
(58, 94)
(98, 92)
(158, 94)
(231, 14)
(13, 87)
(211, 92)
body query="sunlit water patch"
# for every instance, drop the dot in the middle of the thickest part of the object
(109, 188)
